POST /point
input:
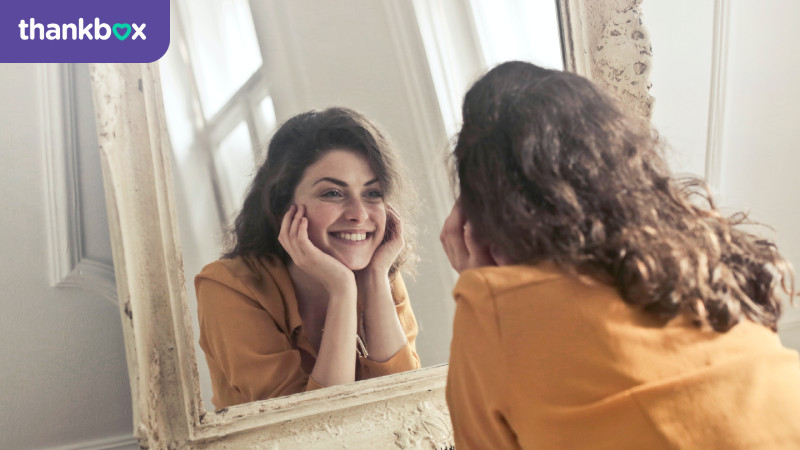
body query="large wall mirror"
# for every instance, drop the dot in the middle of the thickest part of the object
(236, 69)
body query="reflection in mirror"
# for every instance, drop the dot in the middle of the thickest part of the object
(310, 293)
(237, 69)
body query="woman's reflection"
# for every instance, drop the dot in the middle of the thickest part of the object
(310, 293)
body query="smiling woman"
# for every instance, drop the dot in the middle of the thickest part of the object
(310, 294)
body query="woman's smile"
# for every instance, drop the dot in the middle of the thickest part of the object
(352, 238)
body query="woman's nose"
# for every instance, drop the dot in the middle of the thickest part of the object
(355, 211)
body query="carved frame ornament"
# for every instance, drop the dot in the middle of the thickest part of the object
(602, 39)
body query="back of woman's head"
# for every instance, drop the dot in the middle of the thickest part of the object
(298, 143)
(551, 168)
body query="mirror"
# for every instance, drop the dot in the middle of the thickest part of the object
(237, 69)
(602, 41)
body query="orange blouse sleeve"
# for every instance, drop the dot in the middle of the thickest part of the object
(477, 373)
(248, 356)
(406, 358)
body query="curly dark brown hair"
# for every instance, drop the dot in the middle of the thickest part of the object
(550, 168)
(300, 142)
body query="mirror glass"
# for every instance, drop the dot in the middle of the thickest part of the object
(236, 69)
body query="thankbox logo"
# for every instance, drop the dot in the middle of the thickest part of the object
(31, 30)
(84, 31)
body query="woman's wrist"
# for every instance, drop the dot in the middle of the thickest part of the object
(342, 287)
(370, 278)
(384, 333)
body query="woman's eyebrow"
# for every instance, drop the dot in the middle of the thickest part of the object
(342, 183)
(331, 180)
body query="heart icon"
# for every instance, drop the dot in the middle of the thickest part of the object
(123, 26)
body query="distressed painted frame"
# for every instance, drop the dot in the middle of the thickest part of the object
(602, 39)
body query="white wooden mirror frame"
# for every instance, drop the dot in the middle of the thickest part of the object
(602, 39)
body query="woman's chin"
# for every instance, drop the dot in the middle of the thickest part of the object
(355, 266)
(354, 263)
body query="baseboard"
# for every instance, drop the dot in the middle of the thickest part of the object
(122, 442)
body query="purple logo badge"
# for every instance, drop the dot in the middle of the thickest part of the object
(79, 31)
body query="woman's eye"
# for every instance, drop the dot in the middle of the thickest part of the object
(374, 194)
(331, 194)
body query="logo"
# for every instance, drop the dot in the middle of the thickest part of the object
(93, 31)
(31, 30)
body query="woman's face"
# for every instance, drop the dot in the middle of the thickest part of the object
(344, 206)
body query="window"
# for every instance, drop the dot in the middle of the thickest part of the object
(217, 101)
(464, 38)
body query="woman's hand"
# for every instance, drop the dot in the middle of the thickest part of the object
(335, 362)
(332, 274)
(392, 244)
(463, 250)
(383, 332)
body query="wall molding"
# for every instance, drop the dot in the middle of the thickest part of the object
(124, 441)
(69, 265)
(716, 109)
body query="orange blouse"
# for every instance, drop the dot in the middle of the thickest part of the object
(253, 338)
(540, 360)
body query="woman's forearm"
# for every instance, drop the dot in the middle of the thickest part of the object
(384, 334)
(337, 351)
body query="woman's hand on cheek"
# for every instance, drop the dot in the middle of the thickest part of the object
(393, 243)
(460, 244)
(293, 236)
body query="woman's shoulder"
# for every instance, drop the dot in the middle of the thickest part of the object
(537, 287)
(499, 280)
(264, 281)
(242, 271)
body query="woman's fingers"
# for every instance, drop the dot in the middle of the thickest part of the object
(391, 244)
(452, 238)
(462, 247)
(303, 250)
(284, 233)
(304, 244)
(306, 250)
(298, 214)
(394, 226)
(294, 233)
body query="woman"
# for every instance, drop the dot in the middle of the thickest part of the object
(601, 303)
(310, 295)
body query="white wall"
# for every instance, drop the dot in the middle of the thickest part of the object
(63, 376)
(759, 108)
(681, 77)
(761, 132)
